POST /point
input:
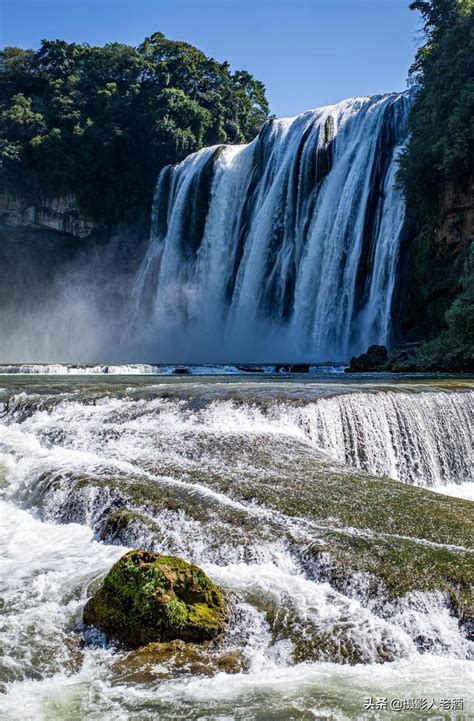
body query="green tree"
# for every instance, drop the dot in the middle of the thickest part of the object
(441, 147)
(437, 166)
(100, 122)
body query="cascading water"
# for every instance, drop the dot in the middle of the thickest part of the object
(343, 585)
(286, 246)
(425, 439)
(262, 482)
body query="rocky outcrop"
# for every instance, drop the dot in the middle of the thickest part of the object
(61, 214)
(374, 359)
(456, 229)
(148, 598)
(159, 661)
(413, 357)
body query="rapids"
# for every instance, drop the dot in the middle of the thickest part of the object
(90, 466)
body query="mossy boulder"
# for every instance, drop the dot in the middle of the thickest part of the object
(149, 598)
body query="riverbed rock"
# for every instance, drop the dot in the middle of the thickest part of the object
(159, 661)
(292, 368)
(373, 360)
(148, 598)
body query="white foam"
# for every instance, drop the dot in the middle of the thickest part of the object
(48, 568)
(457, 490)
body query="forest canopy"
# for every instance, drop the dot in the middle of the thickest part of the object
(100, 122)
(440, 153)
(437, 166)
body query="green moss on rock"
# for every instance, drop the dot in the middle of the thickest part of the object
(116, 526)
(147, 598)
(159, 661)
(402, 565)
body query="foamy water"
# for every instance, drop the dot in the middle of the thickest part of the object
(69, 452)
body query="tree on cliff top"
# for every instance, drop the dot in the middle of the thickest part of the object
(440, 152)
(437, 167)
(100, 122)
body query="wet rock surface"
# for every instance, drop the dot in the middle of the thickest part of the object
(177, 658)
(413, 357)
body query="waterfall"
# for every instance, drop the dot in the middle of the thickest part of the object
(417, 435)
(286, 246)
(419, 438)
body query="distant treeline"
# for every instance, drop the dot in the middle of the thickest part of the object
(100, 122)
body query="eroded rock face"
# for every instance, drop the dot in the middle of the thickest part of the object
(61, 214)
(149, 598)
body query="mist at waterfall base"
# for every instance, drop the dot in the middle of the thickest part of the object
(65, 300)
(285, 249)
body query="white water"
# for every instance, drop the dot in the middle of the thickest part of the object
(287, 247)
(149, 369)
(422, 438)
(425, 439)
(176, 436)
(48, 568)
(453, 489)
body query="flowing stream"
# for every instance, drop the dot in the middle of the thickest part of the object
(211, 468)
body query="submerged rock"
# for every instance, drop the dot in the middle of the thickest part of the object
(292, 368)
(177, 658)
(392, 567)
(146, 597)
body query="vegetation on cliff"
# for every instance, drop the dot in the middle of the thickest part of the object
(100, 122)
(441, 147)
(437, 174)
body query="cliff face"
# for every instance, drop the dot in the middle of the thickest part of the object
(456, 230)
(60, 214)
(434, 265)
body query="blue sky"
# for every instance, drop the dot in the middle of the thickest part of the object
(307, 52)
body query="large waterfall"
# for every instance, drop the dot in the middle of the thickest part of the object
(284, 247)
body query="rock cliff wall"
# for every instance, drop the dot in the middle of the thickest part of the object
(60, 214)
(431, 276)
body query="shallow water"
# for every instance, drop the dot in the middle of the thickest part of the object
(200, 460)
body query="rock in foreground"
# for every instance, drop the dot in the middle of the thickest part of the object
(146, 598)
(160, 661)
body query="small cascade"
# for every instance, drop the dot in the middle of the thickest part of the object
(261, 483)
(286, 246)
(419, 438)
